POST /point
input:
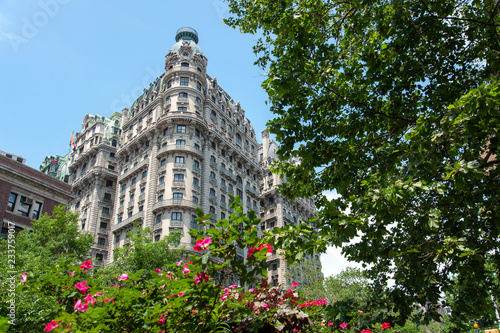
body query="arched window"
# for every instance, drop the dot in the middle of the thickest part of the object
(114, 143)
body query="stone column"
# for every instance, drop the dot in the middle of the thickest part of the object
(95, 204)
(152, 181)
(205, 176)
(265, 146)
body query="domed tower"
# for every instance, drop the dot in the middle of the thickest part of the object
(185, 68)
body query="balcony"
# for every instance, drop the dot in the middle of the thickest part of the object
(213, 165)
(101, 246)
(183, 203)
(213, 181)
(196, 187)
(229, 173)
(178, 183)
(105, 214)
(223, 188)
(212, 198)
(182, 100)
(191, 148)
(179, 165)
(161, 186)
(106, 200)
(223, 204)
(197, 170)
(136, 217)
(252, 190)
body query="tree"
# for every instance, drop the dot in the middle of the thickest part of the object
(396, 106)
(53, 239)
(184, 297)
(143, 253)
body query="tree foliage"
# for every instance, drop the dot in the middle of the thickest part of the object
(183, 297)
(143, 253)
(53, 239)
(396, 106)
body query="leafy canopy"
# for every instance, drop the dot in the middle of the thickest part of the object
(394, 105)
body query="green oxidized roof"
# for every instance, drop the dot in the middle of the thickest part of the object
(189, 35)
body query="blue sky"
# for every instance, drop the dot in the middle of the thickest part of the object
(63, 59)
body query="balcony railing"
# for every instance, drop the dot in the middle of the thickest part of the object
(196, 187)
(178, 183)
(213, 164)
(197, 169)
(174, 202)
(212, 198)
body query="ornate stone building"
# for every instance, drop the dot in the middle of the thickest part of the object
(277, 210)
(184, 143)
(93, 175)
(57, 166)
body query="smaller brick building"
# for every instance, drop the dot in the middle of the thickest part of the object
(26, 193)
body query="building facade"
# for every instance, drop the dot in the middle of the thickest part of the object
(277, 210)
(26, 193)
(184, 143)
(93, 175)
(57, 166)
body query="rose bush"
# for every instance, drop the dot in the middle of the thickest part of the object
(204, 292)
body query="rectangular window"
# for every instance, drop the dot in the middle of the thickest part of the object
(196, 181)
(24, 207)
(176, 216)
(184, 81)
(180, 143)
(195, 199)
(101, 241)
(160, 197)
(179, 159)
(183, 94)
(12, 201)
(109, 183)
(163, 162)
(37, 208)
(158, 218)
(165, 131)
(144, 174)
(182, 108)
(198, 86)
(179, 177)
(161, 179)
(134, 180)
(197, 133)
(181, 128)
(177, 196)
